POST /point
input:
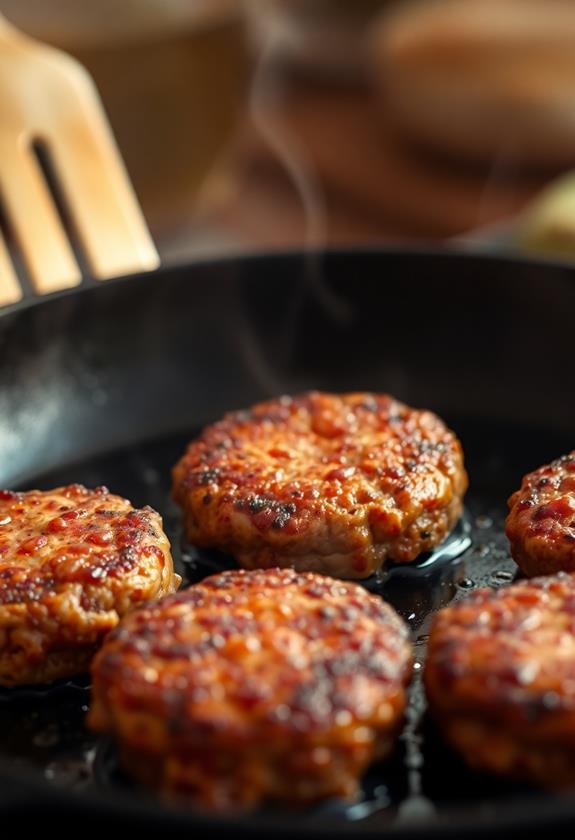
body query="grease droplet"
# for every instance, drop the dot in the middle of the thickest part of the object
(502, 576)
(381, 575)
(466, 583)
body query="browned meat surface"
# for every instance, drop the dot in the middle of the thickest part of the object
(541, 521)
(500, 679)
(254, 686)
(72, 561)
(334, 484)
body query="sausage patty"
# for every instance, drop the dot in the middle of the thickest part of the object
(253, 686)
(72, 561)
(500, 679)
(541, 521)
(334, 484)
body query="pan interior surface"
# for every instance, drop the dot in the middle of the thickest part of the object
(107, 387)
(44, 728)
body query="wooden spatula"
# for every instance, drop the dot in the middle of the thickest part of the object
(47, 98)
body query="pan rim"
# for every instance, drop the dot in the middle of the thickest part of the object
(423, 251)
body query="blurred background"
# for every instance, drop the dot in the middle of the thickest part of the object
(260, 124)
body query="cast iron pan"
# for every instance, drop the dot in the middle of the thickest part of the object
(107, 384)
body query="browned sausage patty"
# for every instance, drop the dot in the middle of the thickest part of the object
(500, 679)
(334, 484)
(72, 561)
(541, 521)
(254, 686)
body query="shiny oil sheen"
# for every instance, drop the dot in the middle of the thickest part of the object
(44, 727)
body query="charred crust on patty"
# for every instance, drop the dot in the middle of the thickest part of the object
(254, 686)
(72, 561)
(499, 678)
(541, 521)
(338, 484)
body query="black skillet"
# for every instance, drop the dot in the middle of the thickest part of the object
(106, 385)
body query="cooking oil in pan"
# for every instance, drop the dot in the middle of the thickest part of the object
(43, 729)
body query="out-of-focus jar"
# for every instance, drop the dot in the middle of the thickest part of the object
(172, 75)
